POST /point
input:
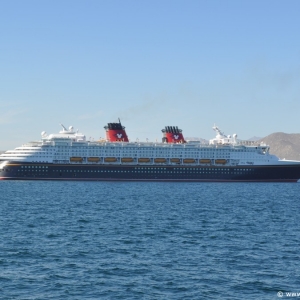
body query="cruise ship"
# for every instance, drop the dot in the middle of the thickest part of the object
(68, 155)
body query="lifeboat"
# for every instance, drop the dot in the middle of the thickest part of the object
(189, 161)
(76, 159)
(221, 161)
(160, 160)
(205, 161)
(110, 159)
(126, 159)
(175, 160)
(93, 159)
(144, 160)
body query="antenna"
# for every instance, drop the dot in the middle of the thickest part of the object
(65, 129)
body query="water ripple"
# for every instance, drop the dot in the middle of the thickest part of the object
(76, 240)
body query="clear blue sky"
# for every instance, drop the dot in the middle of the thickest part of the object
(152, 63)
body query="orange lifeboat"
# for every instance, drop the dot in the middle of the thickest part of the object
(160, 160)
(175, 160)
(110, 159)
(76, 159)
(93, 159)
(221, 161)
(126, 159)
(144, 160)
(205, 161)
(189, 161)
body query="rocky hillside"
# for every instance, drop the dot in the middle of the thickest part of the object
(284, 145)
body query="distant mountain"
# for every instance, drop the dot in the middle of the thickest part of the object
(283, 145)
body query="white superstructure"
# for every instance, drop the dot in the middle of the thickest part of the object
(70, 147)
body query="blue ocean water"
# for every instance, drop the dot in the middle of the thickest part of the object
(131, 240)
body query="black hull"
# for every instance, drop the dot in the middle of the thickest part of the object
(84, 172)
